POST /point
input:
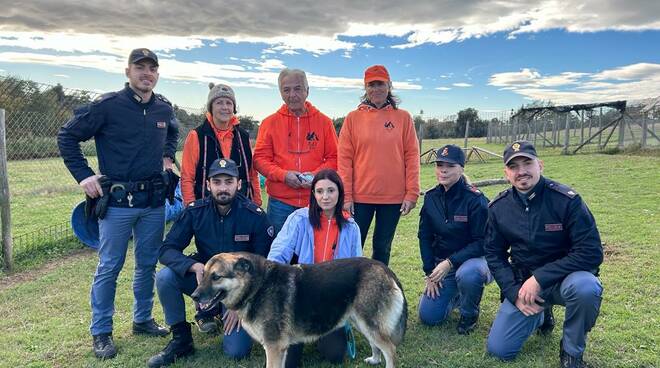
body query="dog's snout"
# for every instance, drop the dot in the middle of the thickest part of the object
(195, 295)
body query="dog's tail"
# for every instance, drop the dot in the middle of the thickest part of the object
(400, 329)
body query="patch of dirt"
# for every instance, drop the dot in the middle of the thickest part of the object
(610, 251)
(12, 279)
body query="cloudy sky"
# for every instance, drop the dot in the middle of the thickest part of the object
(442, 55)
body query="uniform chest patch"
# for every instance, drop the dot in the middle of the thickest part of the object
(459, 218)
(554, 227)
(161, 124)
(242, 238)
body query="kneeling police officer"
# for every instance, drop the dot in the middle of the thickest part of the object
(226, 221)
(555, 252)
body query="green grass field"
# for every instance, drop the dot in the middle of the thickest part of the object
(46, 317)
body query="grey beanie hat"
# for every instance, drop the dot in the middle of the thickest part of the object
(217, 91)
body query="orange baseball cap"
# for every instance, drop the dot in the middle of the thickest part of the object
(376, 73)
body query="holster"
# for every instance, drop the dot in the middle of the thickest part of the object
(97, 207)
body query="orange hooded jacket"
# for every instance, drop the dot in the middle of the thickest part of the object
(379, 156)
(289, 143)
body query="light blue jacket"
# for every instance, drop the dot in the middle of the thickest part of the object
(297, 237)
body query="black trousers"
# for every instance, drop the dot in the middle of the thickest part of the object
(332, 348)
(387, 218)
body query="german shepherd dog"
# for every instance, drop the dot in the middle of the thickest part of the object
(280, 305)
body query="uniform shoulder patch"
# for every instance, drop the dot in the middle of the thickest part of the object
(198, 204)
(472, 189)
(162, 98)
(430, 190)
(501, 195)
(104, 97)
(254, 208)
(561, 188)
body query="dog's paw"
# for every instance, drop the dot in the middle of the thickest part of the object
(372, 360)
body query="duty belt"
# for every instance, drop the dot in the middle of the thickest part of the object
(129, 188)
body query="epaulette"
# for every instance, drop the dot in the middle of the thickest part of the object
(472, 189)
(162, 98)
(104, 97)
(254, 208)
(430, 190)
(200, 203)
(561, 188)
(501, 195)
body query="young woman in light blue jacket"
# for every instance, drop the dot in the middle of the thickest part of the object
(314, 234)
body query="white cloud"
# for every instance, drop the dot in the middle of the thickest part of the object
(443, 88)
(629, 82)
(61, 76)
(322, 28)
(462, 85)
(263, 76)
(367, 45)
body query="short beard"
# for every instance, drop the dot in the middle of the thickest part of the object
(221, 202)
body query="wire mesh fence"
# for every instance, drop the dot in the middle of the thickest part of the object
(42, 191)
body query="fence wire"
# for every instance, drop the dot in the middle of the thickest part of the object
(42, 191)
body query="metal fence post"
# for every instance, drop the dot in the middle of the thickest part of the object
(644, 129)
(567, 133)
(622, 131)
(5, 211)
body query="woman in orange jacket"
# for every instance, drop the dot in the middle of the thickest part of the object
(219, 136)
(378, 159)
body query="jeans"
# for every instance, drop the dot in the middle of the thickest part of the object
(387, 217)
(146, 225)
(171, 288)
(581, 293)
(278, 212)
(461, 288)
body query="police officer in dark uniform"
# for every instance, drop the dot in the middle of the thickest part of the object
(451, 233)
(226, 221)
(136, 134)
(543, 248)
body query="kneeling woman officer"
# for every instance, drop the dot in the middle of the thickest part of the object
(451, 233)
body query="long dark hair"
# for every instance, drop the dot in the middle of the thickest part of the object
(315, 210)
(391, 99)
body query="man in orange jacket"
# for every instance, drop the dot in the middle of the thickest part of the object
(293, 144)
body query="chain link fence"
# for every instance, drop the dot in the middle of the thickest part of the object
(42, 191)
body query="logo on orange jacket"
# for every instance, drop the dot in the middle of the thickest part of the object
(312, 140)
(389, 125)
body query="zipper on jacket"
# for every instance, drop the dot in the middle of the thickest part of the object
(299, 159)
(327, 233)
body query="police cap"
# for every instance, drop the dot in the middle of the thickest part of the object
(223, 166)
(517, 149)
(450, 153)
(141, 54)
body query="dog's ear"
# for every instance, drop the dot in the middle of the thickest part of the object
(243, 265)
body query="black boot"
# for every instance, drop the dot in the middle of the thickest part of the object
(180, 346)
(467, 324)
(548, 322)
(104, 347)
(150, 328)
(569, 361)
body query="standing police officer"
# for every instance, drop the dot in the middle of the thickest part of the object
(225, 221)
(555, 251)
(136, 134)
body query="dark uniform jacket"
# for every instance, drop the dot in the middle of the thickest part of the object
(245, 228)
(131, 137)
(551, 236)
(452, 225)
